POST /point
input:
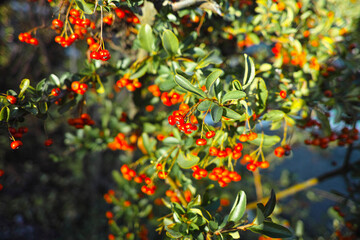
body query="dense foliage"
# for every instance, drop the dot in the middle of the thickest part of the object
(189, 97)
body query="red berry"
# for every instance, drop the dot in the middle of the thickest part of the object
(55, 92)
(75, 86)
(59, 39)
(213, 151)
(238, 147)
(33, 41)
(11, 99)
(283, 94)
(243, 138)
(210, 134)
(48, 142)
(1, 172)
(75, 13)
(201, 142)
(279, 151)
(57, 23)
(95, 55)
(16, 144)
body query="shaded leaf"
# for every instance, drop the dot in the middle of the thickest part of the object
(216, 113)
(204, 105)
(270, 205)
(268, 140)
(5, 114)
(271, 229)
(146, 38)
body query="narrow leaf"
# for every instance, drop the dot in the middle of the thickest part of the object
(185, 84)
(248, 80)
(271, 229)
(5, 114)
(270, 205)
(211, 78)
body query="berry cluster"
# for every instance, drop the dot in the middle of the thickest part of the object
(129, 16)
(346, 136)
(154, 89)
(235, 153)
(102, 55)
(108, 20)
(17, 134)
(130, 174)
(174, 198)
(169, 99)
(253, 164)
(199, 173)
(177, 118)
(109, 196)
(80, 28)
(55, 92)
(26, 37)
(130, 85)
(224, 176)
(79, 88)
(248, 137)
(80, 122)
(120, 143)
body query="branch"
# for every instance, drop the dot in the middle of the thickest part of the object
(305, 185)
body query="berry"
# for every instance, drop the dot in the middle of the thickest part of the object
(210, 134)
(48, 142)
(16, 144)
(57, 23)
(75, 13)
(75, 86)
(201, 142)
(279, 151)
(283, 94)
(11, 99)
(243, 138)
(55, 92)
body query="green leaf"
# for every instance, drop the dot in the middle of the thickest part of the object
(170, 42)
(259, 216)
(265, 67)
(270, 205)
(216, 113)
(247, 80)
(233, 95)
(274, 115)
(236, 85)
(234, 235)
(210, 58)
(176, 207)
(211, 78)
(5, 114)
(146, 38)
(23, 86)
(85, 7)
(43, 107)
(268, 140)
(139, 71)
(213, 226)
(229, 113)
(171, 141)
(204, 105)
(238, 209)
(271, 229)
(187, 161)
(325, 125)
(185, 84)
(55, 79)
(261, 95)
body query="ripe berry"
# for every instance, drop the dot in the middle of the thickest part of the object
(279, 151)
(213, 151)
(201, 142)
(283, 94)
(252, 136)
(11, 99)
(162, 174)
(48, 142)
(328, 93)
(16, 144)
(210, 134)
(75, 86)
(55, 92)
(243, 138)
(1, 172)
(75, 13)
(104, 55)
(57, 23)
(238, 147)
(95, 55)
(33, 41)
